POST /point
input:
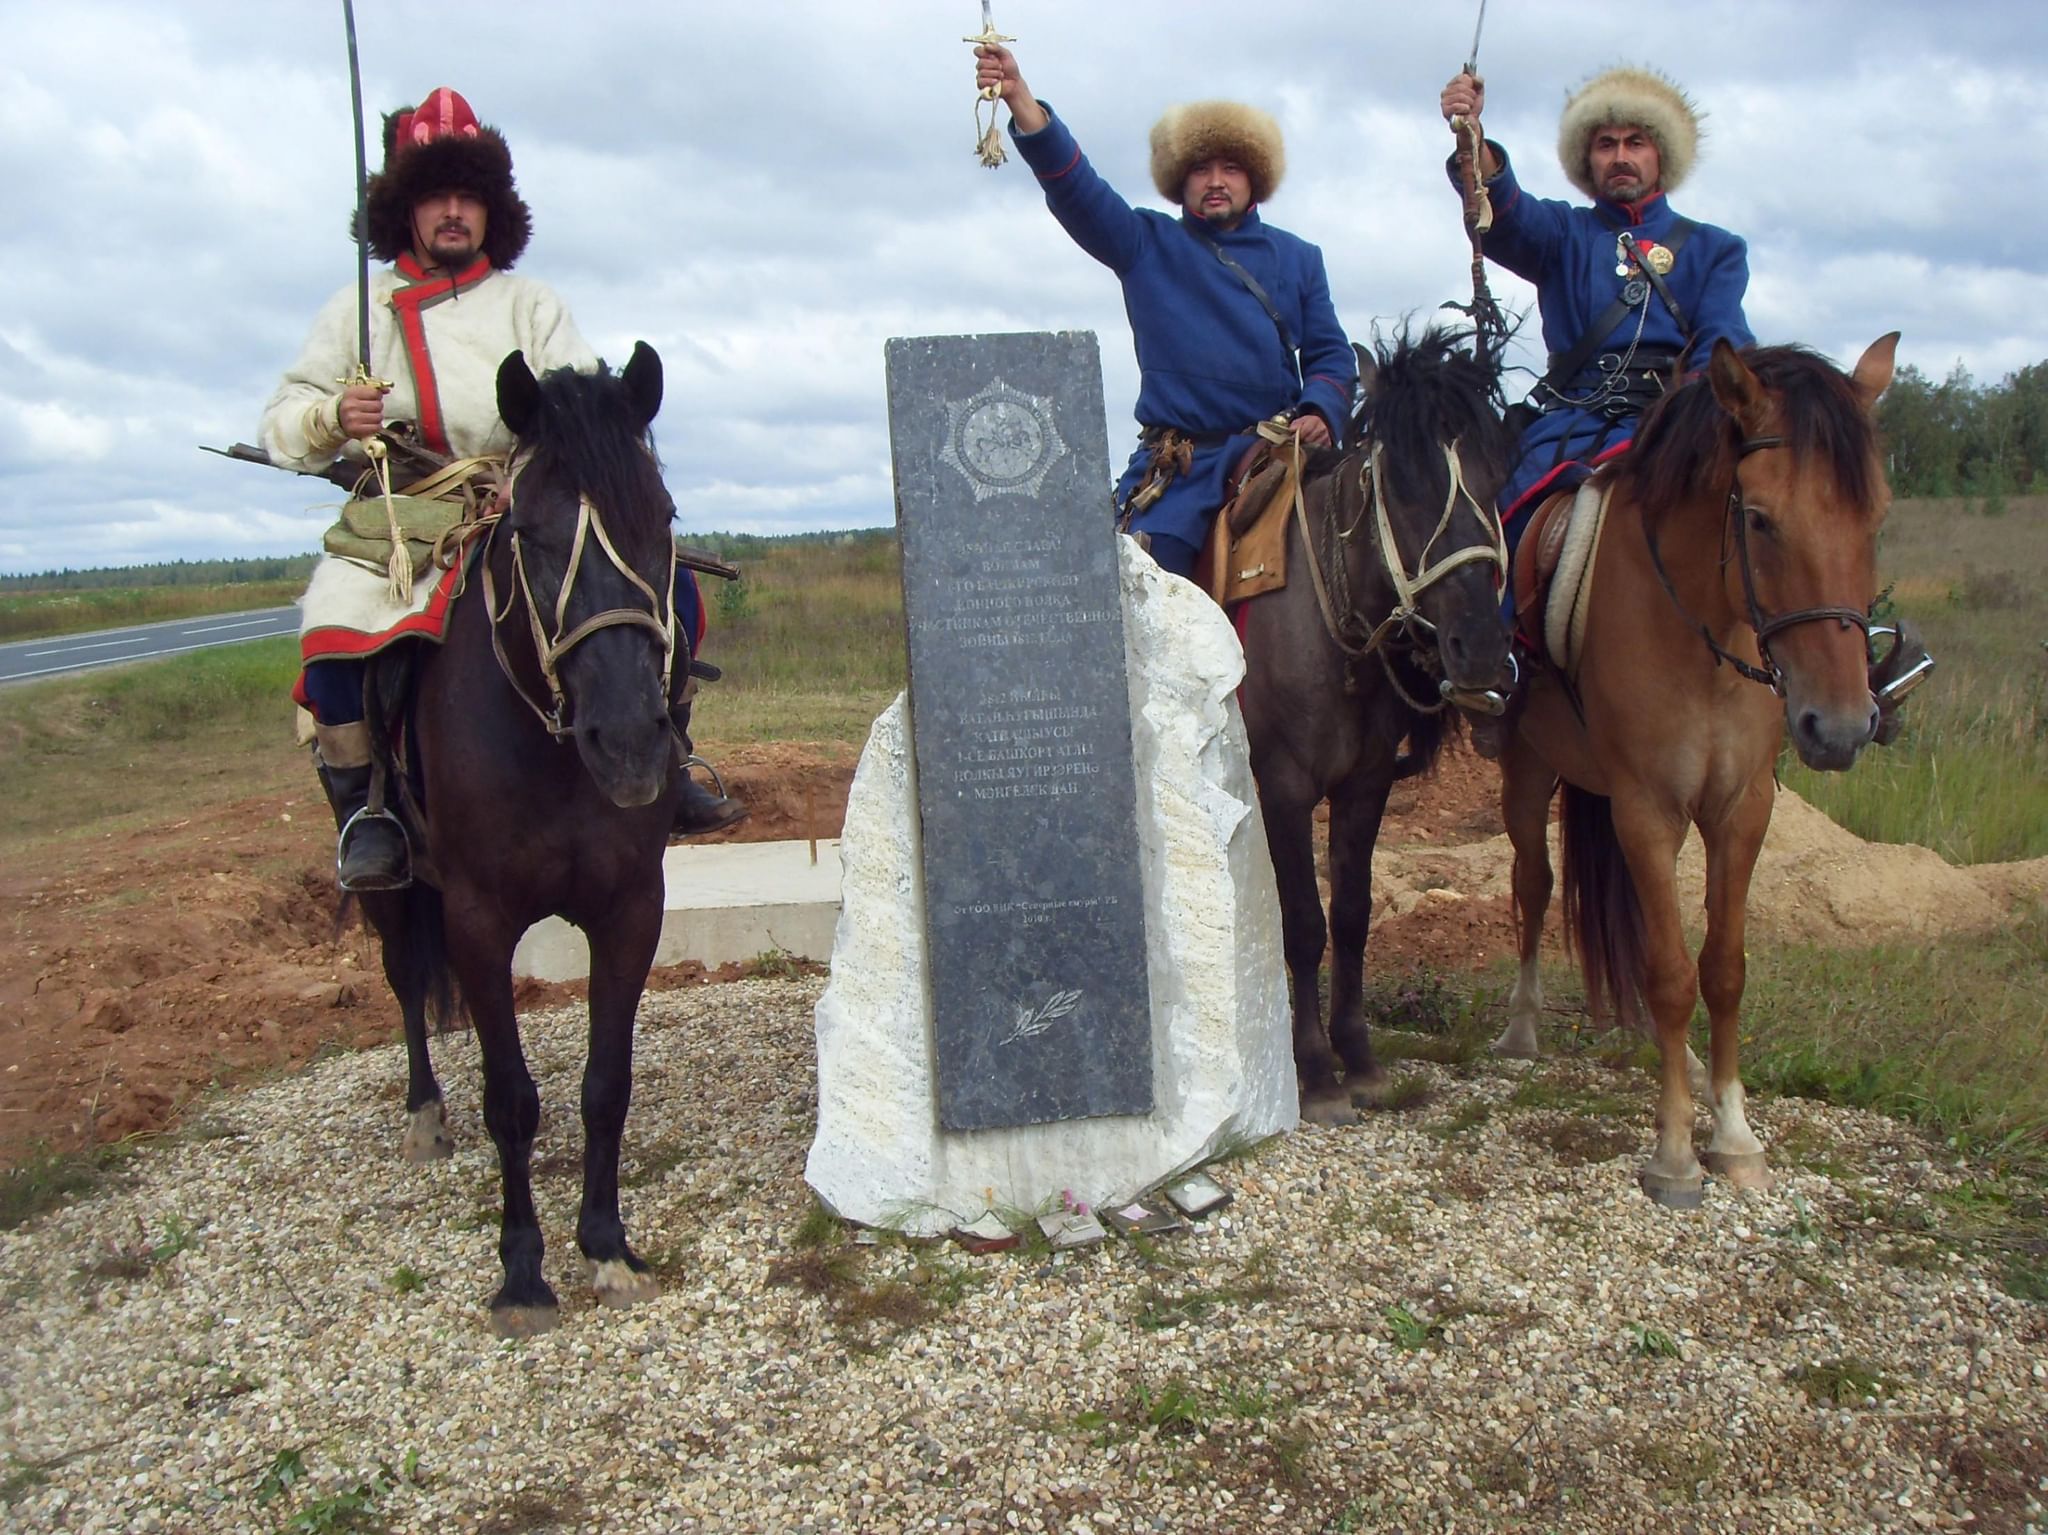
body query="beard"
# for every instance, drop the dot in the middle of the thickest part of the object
(452, 245)
(1623, 186)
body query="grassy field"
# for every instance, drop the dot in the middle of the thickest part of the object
(1969, 777)
(36, 615)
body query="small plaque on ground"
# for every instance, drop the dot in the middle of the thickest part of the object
(1020, 718)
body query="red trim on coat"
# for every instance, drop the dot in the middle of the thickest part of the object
(406, 303)
(1534, 493)
(331, 642)
(1055, 175)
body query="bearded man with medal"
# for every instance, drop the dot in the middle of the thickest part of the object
(1632, 293)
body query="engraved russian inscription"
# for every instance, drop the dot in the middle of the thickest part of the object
(1021, 724)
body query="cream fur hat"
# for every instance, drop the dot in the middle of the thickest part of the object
(1640, 97)
(1201, 130)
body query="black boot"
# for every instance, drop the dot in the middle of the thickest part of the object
(372, 853)
(700, 811)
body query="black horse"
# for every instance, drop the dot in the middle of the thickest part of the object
(542, 744)
(1390, 619)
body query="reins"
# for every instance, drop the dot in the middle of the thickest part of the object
(1770, 674)
(1341, 619)
(550, 649)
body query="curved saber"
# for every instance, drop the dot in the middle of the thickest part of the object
(355, 98)
(1472, 58)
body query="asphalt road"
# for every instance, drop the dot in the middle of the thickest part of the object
(24, 659)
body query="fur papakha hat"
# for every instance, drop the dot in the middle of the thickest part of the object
(1198, 131)
(1640, 97)
(435, 147)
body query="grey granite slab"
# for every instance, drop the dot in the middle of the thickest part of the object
(1021, 724)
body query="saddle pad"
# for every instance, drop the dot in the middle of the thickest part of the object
(1571, 589)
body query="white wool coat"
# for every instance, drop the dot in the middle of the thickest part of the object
(468, 334)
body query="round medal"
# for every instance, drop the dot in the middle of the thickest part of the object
(1660, 258)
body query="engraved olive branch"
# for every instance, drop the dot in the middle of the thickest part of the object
(1030, 1024)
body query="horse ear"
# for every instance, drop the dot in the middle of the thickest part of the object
(1872, 374)
(1368, 369)
(518, 395)
(643, 383)
(1738, 389)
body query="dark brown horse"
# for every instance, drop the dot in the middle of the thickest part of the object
(542, 742)
(1728, 607)
(1390, 613)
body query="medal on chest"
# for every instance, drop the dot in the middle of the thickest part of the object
(1658, 258)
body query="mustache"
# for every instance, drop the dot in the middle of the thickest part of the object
(451, 226)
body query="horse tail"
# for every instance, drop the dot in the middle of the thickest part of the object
(428, 953)
(1603, 921)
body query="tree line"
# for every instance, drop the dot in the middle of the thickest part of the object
(286, 567)
(1961, 438)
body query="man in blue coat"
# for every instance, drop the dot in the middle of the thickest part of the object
(1231, 317)
(1631, 293)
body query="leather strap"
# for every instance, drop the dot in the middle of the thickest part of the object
(1588, 345)
(1265, 301)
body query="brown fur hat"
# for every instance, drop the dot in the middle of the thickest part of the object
(434, 147)
(1201, 130)
(1639, 97)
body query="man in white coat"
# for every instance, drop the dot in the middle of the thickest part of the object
(445, 213)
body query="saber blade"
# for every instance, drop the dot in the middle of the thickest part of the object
(1472, 58)
(355, 93)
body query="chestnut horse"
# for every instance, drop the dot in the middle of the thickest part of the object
(1390, 615)
(1729, 603)
(542, 740)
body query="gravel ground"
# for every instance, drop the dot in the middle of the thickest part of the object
(1458, 1317)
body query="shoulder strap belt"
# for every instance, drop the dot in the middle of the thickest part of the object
(1265, 302)
(1596, 334)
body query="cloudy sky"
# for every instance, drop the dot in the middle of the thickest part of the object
(767, 192)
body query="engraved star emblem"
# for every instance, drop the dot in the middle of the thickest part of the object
(1002, 440)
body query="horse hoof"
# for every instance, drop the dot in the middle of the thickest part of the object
(1369, 1092)
(619, 1284)
(1516, 1046)
(1744, 1169)
(1331, 1107)
(524, 1321)
(1674, 1193)
(426, 1135)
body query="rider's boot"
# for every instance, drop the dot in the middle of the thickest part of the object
(372, 853)
(699, 812)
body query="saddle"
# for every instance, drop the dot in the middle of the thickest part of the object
(1246, 552)
(1553, 572)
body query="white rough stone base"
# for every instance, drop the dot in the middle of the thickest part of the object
(1222, 1058)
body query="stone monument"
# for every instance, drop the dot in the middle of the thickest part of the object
(1057, 970)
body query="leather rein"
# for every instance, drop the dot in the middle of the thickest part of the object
(550, 648)
(1347, 630)
(1770, 674)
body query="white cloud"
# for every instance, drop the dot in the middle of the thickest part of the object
(767, 193)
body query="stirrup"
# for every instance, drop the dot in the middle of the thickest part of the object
(341, 851)
(691, 759)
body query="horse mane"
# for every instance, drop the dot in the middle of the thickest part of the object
(585, 441)
(1430, 388)
(1686, 443)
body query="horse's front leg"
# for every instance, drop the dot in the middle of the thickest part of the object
(1527, 787)
(1732, 846)
(480, 949)
(621, 949)
(1356, 808)
(1650, 840)
(1303, 934)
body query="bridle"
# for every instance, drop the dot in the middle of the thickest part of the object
(1771, 675)
(1405, 619)
(550, 648)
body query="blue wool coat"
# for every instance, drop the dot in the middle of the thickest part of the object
(1210, 360)
(1568, 251)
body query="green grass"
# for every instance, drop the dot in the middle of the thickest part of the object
(1969, 777)
(48, 1178)
(1845, 1382)
(35, 615)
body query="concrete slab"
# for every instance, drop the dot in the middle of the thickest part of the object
(726, 902)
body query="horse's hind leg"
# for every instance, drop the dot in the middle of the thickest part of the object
(411, 954)
(1356, 809)
(1527, 785)
(1732, 847)
(621, 949)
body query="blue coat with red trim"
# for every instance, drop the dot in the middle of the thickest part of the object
(1568, 251)
(1210, 359)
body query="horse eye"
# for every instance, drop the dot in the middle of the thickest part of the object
(1760, 522)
